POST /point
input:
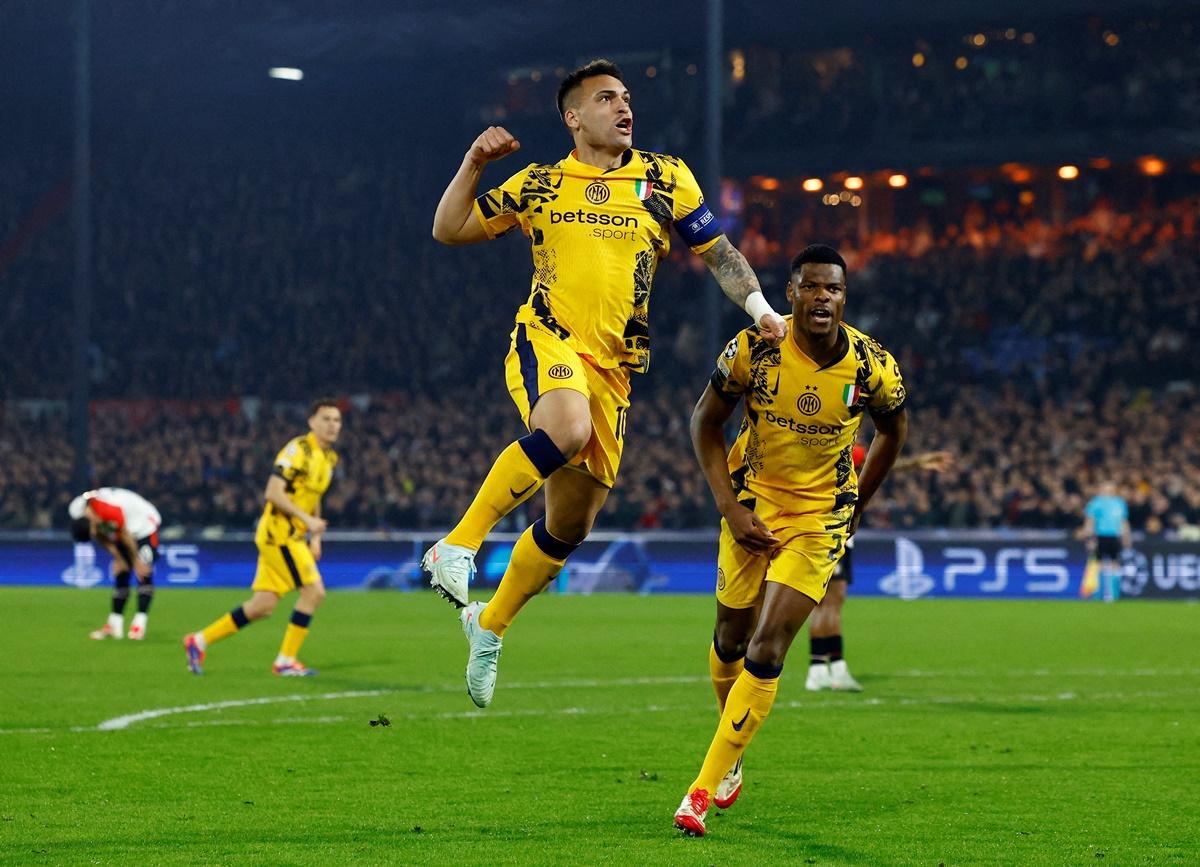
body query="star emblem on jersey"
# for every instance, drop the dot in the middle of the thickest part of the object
(809, 403)
(597, 193)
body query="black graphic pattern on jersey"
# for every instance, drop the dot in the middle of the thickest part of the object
(764, 370)
(545, 265)
(541, 308)
(862, 377)
(845, 463)
(661, 201)
(637, 328)
(540, 187)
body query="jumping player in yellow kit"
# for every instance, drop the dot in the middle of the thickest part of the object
(288, 538)
(788, 495)
(599, 222)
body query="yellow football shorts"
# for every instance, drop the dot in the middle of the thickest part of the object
(803, 561)
(284, 568)
(539, 362)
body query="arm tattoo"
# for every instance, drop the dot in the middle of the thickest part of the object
(738, 280)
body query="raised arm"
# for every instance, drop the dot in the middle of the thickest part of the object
(740, 285)
(454, 220)
(890, 433)
(708, 440)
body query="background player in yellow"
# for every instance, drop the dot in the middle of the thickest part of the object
(598, 222)
(286, 559)
(788, 496)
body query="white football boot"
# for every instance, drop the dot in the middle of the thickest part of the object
(113, 628)
(818, 677)
(841, 679)
(689, 818)
(450, 568)
(485, 653)
(730, 787)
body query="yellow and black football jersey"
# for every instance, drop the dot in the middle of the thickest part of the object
(793, 456)
(597, 237)
(307, 469)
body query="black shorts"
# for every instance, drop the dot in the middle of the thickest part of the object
(844, 570)
(1108, 547)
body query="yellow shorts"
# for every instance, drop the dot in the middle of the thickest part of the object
(803, 561)
(539, 362)
(284, 568)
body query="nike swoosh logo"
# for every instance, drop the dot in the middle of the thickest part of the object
(516, 495)
(737, 726)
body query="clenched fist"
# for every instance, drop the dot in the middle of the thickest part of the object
(494, 143)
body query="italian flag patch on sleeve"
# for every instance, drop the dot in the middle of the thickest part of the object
(850, 394)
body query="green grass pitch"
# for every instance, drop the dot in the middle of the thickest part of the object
(989, 733)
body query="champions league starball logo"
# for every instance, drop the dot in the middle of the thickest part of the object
(83, 572)
(909, 581)
(1135, 572)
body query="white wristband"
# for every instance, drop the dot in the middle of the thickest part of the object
(758, 307)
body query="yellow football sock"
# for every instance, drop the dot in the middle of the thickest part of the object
(723, 674)
(536, 559)
(223, 627)
(747, 706)
(297, 631)
(515, 477)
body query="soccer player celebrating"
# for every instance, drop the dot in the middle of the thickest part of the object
(788, 496)
(286, 560)
(126, 525)
(599, 222)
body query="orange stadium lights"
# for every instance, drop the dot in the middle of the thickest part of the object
(1150, 165)
(961, 63)
(1100, 163)
(813, 185)
(854, 182)
(897, 181)
(769, 184)
(918, 60)
(1017, 173)
(1068, 173)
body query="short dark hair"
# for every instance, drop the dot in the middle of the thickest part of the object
(575, 78)
(320, 403)
(818, 254)
(81, 530)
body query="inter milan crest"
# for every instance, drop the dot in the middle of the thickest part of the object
(560, 371)
(809, 403)
(596, 193)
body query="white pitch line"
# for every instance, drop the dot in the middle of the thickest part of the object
(124, 722)
(809, 704)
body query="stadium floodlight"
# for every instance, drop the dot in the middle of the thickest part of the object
(1068, 173)
(812, 185)
(288, 73)
(854, 182)
(1151, 165)
(897, 181)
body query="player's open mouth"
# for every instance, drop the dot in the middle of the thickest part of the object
(626, 125)
(820, 314)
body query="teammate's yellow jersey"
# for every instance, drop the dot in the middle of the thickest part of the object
(307, 469)
(793, 456)
(597, 238)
